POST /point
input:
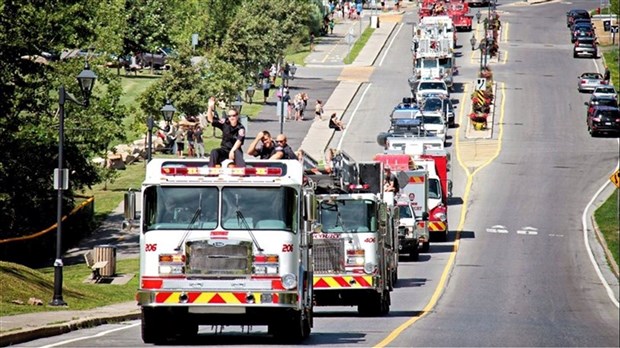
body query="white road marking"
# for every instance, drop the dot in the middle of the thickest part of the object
(390, 45)
(584, 225)
(556, 235)
(529, 230)
(497, 229)
(103, 333)
(344, 133)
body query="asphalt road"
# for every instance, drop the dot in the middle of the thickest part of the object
(531, 286)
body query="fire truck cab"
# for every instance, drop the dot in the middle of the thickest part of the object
(225, 246)
(355, 253)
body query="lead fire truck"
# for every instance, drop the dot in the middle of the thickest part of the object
(355, 253)
(225, 246)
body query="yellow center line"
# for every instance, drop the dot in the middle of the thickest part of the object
(450, 264)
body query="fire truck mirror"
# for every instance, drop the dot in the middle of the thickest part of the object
(310, 207)
(449, 188)
(425, 216)
(381, 138)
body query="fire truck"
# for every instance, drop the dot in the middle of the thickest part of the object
(355, 253)
(459, 12)
(225, 246)
(412, 203)
(432, 44)
(437, 163)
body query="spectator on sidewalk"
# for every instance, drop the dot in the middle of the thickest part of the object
(288, 103)
(311, 42)
(331, 26)
(266, 88)
(262, 146)
(335, 123)
(200, 146)
(180, 140)
(607, 74)
(318, 110)
(283, 150)
(233, 135)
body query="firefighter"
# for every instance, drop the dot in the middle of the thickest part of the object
(233, 135)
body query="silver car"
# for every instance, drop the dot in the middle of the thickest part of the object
(588, 81)
(585, 47)
(605, 92)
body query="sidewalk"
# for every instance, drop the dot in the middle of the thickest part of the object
(323, 78)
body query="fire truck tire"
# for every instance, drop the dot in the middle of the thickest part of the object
(291, 330)
(394, 278)
(414, 255)
(426, 246)
(375, 305)
(152, 328)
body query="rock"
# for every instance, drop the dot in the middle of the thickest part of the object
(115, 162)
(18, 302)
(99, 161)
(35, 302)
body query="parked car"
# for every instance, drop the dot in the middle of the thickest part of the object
(581, 30)
(600, 101)
(434, 124)
(585, 47)
(605, 91)
(603, 119)
(429, 87)
(575, 13)
(588, 81)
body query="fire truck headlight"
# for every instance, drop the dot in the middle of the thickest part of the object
(369, 268)
(289, 281)
(441, 216)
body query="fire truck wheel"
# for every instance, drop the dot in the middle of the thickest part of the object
(394, 278)
(414, 255)
(291, 330)
(152, 330)
(375, 305)
(426, 246)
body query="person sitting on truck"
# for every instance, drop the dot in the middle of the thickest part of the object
(262, 146)
(233, 135)
(283, 150)
(390, 182)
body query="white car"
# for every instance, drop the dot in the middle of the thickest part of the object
(435, 124)
(427, 88)
(605, 92)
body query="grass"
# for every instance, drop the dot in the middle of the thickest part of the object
(21, 283)
(608, 222)
(359, 44)
(611, 59)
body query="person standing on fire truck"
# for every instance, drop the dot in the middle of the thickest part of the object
(233, 135)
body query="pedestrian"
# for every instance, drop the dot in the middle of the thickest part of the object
(200, 146)
(298, 105)
(331, 26)
(286, 71)
(272, 74)
(262, 146)
(190, 141)
(180, 140)
(283, 150)
(233, 135)
(266, 88)
(311, 42)
(607, 74)
(335, 123)
(318, 110)
(288, 103)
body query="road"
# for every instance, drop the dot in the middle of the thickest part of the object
(530, 286)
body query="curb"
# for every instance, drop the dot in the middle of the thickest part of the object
(610, 258)
(17, 337)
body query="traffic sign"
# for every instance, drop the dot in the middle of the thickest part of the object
(481, 83)
(615, 178)
(349, 39)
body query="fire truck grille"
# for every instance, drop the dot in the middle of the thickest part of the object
(328, 255)
(230, 258)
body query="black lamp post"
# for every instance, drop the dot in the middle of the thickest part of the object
(472, 41)
(237, 105)
(249, 93)
(478, 15)
(482, 53)
(167, 112)
(86, 80)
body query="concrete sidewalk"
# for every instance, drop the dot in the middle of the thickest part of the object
(338, 86)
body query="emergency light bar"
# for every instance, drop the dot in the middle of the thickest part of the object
(216, 171)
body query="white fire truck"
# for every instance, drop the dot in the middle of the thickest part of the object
(355, 255)
(433, 42)
(225, 246)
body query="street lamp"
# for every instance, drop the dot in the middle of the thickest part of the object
(472, 41)
(237, 105)
(167, 112)
(478, 15)
(86, 80)
(482, 53)
(249, 93)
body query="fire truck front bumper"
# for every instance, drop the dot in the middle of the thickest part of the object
(205, 301)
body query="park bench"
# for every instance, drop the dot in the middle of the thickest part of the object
(96, 267)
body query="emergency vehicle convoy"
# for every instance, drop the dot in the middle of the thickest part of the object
(226, 246)
(355, 253)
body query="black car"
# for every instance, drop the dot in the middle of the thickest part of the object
(574, 14)
(581, 30)
(603, 119)
(600, 101)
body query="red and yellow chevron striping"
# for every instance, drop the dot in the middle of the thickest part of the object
(211, 297)
(416, 179)
(334, 282)
(435, 226)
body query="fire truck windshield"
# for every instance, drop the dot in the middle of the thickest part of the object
(405, 212)
(348, 216)
(263, 208)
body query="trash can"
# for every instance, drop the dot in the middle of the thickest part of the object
(374, 22)
(106, 253)
(130, 205)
